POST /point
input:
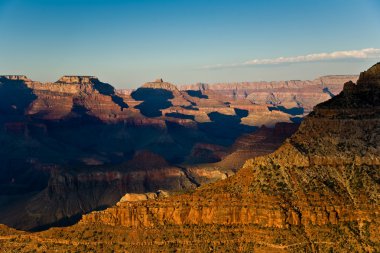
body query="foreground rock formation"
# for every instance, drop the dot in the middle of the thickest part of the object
(82, 140)
(319, 192)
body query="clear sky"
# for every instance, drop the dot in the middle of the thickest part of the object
(127, 43)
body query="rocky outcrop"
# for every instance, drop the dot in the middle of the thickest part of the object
(160, 84)
(76, 79)
(133, 197)
(319, 191)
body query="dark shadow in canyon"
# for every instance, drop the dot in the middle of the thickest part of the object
(67, 221)
(196, 93)
(15, 97)
(241, 113)
(154, 100)
(109, 90)
(296, 120)
(292, 111)
(180, 115)
(226, 128)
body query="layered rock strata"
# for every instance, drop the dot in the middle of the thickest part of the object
(81, 139)
(319, 191)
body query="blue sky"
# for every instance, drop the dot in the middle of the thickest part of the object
(127, 43)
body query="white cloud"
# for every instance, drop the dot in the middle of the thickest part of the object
(366, 53)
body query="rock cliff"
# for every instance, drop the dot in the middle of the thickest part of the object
(318, 192)
(289, 94)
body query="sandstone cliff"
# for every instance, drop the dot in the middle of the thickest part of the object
(318, 192)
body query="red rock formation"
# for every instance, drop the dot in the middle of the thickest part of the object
(320, 184)
(286, 93)
(82, 127)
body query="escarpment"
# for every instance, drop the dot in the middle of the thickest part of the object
(287, 94)
(318, 191)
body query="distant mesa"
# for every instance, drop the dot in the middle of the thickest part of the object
(76, 79)
(15, 77)
(160, 84)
